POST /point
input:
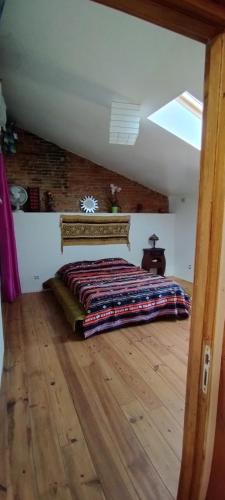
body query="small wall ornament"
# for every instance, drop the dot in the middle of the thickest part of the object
(49, 201)
(88, 204)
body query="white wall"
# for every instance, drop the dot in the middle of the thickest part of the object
(1, 341)
(185, 208)
(39, 245)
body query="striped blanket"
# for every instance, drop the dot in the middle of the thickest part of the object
(115, 293)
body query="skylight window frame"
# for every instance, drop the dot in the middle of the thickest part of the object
(182, 118)
(191, 103)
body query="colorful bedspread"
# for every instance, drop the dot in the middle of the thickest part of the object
(114, 294)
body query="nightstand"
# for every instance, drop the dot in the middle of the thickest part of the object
(154, 260)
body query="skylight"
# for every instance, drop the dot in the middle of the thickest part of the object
(181, 117)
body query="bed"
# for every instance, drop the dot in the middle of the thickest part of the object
(98, 296)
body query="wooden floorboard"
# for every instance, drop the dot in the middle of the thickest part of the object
(94, 419)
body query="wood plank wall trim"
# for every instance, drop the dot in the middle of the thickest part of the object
(209, 296)
(196, 19)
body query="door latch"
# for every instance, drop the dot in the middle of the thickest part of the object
(206, 368)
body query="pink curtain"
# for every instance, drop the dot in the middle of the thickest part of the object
(9, 274)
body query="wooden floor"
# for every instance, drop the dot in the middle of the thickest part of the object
(94, 419)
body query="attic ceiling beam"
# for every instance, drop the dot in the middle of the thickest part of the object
(196, 19)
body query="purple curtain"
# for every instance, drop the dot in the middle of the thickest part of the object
(9, 274)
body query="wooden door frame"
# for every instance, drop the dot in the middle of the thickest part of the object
(204, 22)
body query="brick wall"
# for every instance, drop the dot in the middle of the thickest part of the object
(69, 177)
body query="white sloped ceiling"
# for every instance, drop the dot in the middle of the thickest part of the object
(62, 64)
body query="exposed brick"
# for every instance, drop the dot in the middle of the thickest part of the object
(69, 177)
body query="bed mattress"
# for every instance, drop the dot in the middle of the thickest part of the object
(113, 293)
(70, 305)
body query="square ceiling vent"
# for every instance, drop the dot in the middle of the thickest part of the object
(124, 123)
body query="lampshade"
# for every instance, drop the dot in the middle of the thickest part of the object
(153, 238)
(124, 123)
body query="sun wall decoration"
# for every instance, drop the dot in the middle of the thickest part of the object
(89, 204)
